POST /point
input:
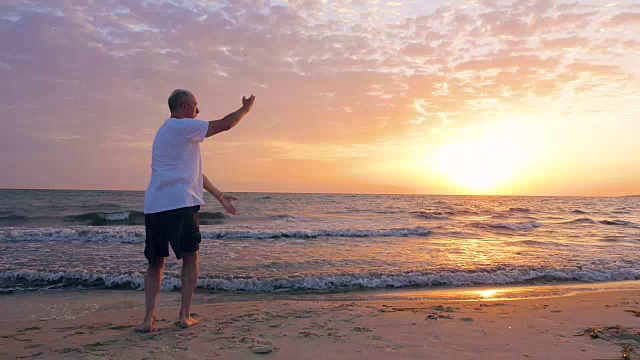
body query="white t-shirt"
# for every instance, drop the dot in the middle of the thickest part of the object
(176, 166)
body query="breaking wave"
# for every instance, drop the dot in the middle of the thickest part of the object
(128, 217)
(135, 280)
(517, 226)
(137, 235)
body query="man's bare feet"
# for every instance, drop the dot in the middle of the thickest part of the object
(187, 322)
(146, 326)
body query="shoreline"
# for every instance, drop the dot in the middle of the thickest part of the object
(381, 324)
(472, 292)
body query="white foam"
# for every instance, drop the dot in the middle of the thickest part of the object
(416, 231)
(341, 282)
(332, 282)
(134, 280)
(87, 233)
(430, 214)
(518, 226)
(117, 216)
(137, 234)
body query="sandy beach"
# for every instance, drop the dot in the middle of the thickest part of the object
(415, 324)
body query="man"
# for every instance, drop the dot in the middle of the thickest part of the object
(174, 196)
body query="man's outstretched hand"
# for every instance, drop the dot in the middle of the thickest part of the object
(227, 205)
(247, 104)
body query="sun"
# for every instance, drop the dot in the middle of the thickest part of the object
(479, 165)
(487, 158)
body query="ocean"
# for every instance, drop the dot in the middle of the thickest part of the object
(281, 242)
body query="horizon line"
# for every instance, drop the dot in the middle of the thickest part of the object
(340, 193)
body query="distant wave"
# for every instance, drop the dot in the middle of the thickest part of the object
(518, 226)
(438, 215)
(371, 211)
(98, 234)
(102, 218)
(127, 217)
(41, 279)
(631, 240)
(604, 222)
(617, 222)
(137, 235)
(211, 216)
(302, 234)
(466, 212)
(130, 217)
(101, 206)
(539, 243)
(9, 220)
(273, 217)
(577, 211)
(282, 217)
(447, 214)
(581, 221)
(520, 210)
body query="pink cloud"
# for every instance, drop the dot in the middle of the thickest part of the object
(595, 69)
(418, 50)
(622, 19)
(565, 42)
(105, 68)
(509, 61)
(633, 45)
(563, 22)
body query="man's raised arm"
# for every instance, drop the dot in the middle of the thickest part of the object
(231, 120)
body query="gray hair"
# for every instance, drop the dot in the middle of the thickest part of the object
(177, 97)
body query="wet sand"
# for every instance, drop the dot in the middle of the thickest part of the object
(414, 324)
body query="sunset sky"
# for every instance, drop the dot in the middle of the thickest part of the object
(363, 96)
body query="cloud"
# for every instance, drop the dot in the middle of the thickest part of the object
(508, 62)
(623, 19)
(565, 42)
(325, 151)
(595, 69)
(418, 50)
(97, 69)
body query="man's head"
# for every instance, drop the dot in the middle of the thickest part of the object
(183, 104)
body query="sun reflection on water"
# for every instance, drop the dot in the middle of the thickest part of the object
(488, 294)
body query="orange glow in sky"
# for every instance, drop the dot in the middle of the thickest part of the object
(464, 97)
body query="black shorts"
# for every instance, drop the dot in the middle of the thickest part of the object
(178, 227)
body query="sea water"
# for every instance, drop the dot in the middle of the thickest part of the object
(52, 239)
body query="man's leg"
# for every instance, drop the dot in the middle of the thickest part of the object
(189, 279)
(152, 281)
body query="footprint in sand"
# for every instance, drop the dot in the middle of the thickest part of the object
(444, 309)
(33, 328)
(262, 349)
(98, 344)
(29, 356)
(68, 350)
(120, 327)
(361, 329)
(308, 334)
(635, 313)
(437, 316)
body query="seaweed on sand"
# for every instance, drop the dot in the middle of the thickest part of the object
(626, 338)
